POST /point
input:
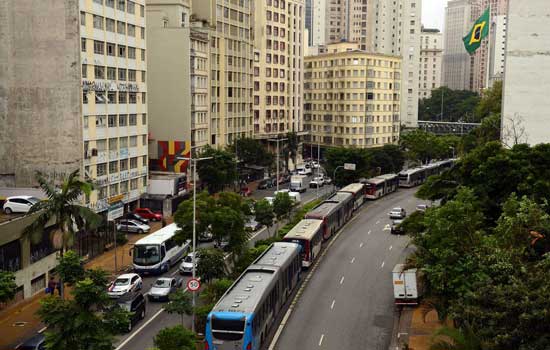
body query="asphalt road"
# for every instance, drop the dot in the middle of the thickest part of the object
(348, 302)
(307, 196)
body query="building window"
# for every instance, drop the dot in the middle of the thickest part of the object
(111, 73)
(121, 27)
(99, 47)
(143, 76)
(85, 101)
(83, 44)
(122, 97)
(132, 52)
(131, 75)
(131, 30)
(110, 3)
(143, 119)
(143, 55)
(111, 97)
(132, 120)
(143, 98)
(82, 18)
(121, 5)
(111, 49)
(84, 71)
(142, 33)
(122, 121)
(112, 122)
(99, 99)
(110, 25)
(142, 10)
(122, 74)
(99, 72)
(132, 98)
(102, 169)
(131, 7)
(98, 22)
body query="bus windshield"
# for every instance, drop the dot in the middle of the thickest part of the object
(146, 255)
(224, 329)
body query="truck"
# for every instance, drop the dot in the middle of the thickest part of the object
(167, 184)
(407, 285)
(298, 183)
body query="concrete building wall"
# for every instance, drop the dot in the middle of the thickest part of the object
(431, 59)
(498, 50)
(169, 84)
(352, 98)
(318, 23)
(456, 60)
(525, 108)
(346, 20)
(40, 96)
(200, 86)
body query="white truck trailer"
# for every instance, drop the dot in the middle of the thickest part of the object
(407, 285)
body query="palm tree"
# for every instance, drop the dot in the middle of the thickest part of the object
(457, 339)
(63, 209)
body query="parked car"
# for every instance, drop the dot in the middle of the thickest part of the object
(317, 181)
(19, 204)
(187, 263)
(265, 184)
(396, 228)
(163, 287)
(315, 164)
(36, 342)
(130, 282)
(223, 244)
(137, 217)
(132, 226)
(422, 207)
(327, 180)
(398, 213)
(134, 303)
(252, 225)
(148, 214)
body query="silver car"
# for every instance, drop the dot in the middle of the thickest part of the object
(132, 226)
(163, 287)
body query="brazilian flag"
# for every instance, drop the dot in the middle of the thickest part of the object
(480, 30)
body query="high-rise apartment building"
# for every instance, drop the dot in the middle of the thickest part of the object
(431, 56)
(346, 20)
(394, 29)
(483, 60)
(315, 22)
(200, 87)
(278, 66)
(80, 101)
(457, 63)
(352, 98)
(231, 67)
(525, 102)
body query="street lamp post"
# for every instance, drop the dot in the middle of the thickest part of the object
(193, 162)
(277, 140)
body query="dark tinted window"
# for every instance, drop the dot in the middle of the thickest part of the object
(222, 327)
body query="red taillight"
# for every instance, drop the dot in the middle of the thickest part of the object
(249, 346)
(206, 346)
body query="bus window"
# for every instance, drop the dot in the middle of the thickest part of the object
(162, 252)
(220, 326)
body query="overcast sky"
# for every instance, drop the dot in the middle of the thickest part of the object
(433, 13)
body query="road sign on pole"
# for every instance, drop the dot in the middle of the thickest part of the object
(116, 210)
(349, 166)
(193, 284)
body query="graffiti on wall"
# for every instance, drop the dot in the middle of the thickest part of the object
(168, 151)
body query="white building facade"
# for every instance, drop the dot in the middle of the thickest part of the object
(431, 59)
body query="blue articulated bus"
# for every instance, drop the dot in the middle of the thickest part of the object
(243, 316)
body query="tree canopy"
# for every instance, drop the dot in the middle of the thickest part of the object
(211, 264)
(421, 146)
(219, 171)
(282, 205)
(175, 338)
(457, 105)
(7, 286)
(263, 212)
(252, 151)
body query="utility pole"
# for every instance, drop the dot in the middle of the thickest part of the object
(318, 164)
(277, 140)
(193, 163)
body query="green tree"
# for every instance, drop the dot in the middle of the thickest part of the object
(213, 291)
(252, 151)
(228, 224)
(465, 338)
(62, 208)
(337, 156)
(7, 286)
(291, 148)
(175, 338)
(183, 217)
(201, 313)
(247, 258)
(264, 214)
(490, 103)
(282, 205)
(180, 303)
(457, 105)
(70, 267)
(211, 264)
(78, 323)
(219, 171)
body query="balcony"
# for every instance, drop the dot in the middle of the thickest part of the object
(102, 180)
(124, 175)
(114, 178)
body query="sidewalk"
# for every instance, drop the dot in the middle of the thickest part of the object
(415, 330)
(20, 322)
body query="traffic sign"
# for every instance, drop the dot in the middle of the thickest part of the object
(193, 284)
(116, 211)
(349, 166)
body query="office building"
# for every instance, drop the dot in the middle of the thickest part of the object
(346, 20)
(278, 67)
(431, 56)
(457, 63)
(79, 101)
(231, 67)
(525, 106)
(315, 22)
(352, 97)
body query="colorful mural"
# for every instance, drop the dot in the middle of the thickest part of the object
(168, 151)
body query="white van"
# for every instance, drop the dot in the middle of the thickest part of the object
(303, 170)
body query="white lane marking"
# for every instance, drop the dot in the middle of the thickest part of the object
(387, 227)
(369, 232)
(342, 280)
(390, 247)
(321, 340)
(361, 245)
(383, 262)
(127, 340)
(332, 305)
(174, 273)
(352, 260)
(377, 222)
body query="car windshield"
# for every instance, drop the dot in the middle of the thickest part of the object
(396, 209)
(33, 200)
(122, 281)
(162, 283)
(188, 259)
(146, 254)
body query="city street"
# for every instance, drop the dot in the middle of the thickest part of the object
(348, 302)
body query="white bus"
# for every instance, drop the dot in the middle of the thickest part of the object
(308, 233)
(157, 252)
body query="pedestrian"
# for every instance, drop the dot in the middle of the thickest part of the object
(51, 286)
(58, 286)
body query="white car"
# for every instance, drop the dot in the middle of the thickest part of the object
(126, 283)
(422, 207)
(270, 200)
(398, 213)
(318, 181)
(132, 226)
(187, 263)
(19, 204)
